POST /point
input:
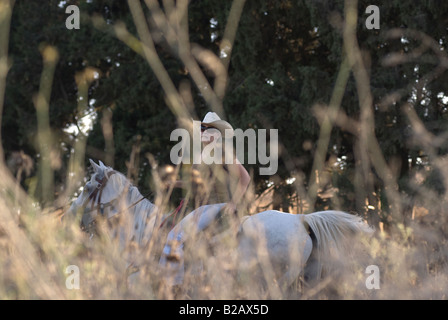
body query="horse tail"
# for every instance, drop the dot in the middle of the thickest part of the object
(330, 231)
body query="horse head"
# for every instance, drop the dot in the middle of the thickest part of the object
(108, 194)
(101, 194)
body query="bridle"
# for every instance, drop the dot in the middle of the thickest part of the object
(88, 217)
(98, 192)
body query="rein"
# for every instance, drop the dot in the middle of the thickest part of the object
(135, 203)
(175, 212)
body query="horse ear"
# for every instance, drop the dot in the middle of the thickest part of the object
(95, 167)
(102, 165)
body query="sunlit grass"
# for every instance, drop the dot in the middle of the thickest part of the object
(37, 245)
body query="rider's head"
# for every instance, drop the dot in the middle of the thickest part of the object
(214, 129)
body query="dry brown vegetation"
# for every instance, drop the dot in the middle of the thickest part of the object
(36, 246)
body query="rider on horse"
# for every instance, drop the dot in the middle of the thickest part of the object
(220, 187)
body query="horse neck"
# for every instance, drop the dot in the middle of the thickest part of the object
(144, 215)
(139, 202)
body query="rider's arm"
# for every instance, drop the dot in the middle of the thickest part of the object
(243, 183)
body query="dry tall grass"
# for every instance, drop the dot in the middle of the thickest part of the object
(36, 247)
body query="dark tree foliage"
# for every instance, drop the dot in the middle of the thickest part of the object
(285, 60)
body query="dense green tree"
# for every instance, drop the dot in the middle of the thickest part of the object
(408, 78)
(285, 60)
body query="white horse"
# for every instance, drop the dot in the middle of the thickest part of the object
(289, 244)
(274, 246)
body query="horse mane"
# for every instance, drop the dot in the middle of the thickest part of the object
(144, 211)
